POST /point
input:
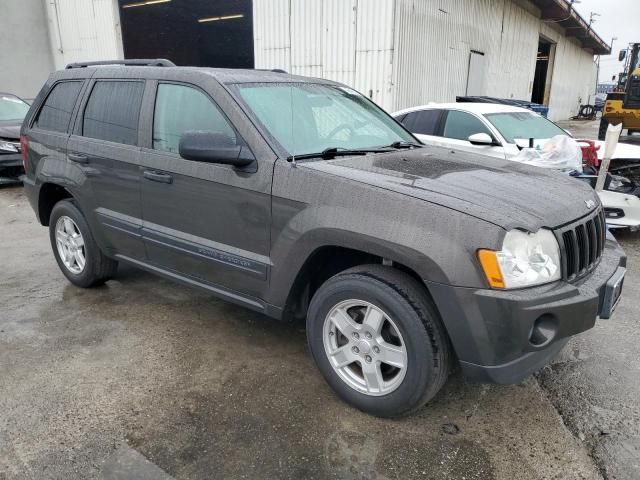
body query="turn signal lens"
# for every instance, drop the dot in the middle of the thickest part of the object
(489, 261)
(24, 144)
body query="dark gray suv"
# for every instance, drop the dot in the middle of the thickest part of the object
(300, 198)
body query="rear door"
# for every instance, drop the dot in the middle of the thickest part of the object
(205, 221)
(49, 132)
(459, 126)
(104, 146)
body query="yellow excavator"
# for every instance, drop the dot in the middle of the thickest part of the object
(623, 103)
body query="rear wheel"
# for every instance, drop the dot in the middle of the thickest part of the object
(378, 340)
(602, 131)
(74, 248)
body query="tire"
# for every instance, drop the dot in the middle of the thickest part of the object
(408, 310)
(602, 131)
(97, 267)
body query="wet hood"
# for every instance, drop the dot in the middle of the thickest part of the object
(502, 192)
(10, 130)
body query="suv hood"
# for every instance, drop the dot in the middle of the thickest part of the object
(10, 131)
(506, 193)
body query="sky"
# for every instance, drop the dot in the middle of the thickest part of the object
(618, 18)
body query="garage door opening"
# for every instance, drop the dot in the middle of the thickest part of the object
(544, 69)
(201, 33)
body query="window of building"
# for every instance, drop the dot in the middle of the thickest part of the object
(180, 108)
(112, 112)
(55, 114)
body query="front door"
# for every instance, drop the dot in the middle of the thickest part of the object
(104, 146)
(204, 221)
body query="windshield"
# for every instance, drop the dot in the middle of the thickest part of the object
(308, 118)
(523, 125)
(12, 108)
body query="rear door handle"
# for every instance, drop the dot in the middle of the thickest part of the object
(158, 177)
(74, 157)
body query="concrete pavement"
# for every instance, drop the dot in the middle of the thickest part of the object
(143, 374)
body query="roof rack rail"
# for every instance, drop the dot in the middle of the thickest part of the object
(274, 70)
(142, 62)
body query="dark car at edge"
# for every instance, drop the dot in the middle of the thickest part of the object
(12, 112)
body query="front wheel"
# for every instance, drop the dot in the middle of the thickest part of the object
(378, 340)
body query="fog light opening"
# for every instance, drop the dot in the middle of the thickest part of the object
(544, 330)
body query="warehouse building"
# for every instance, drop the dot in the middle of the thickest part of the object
(398, 52)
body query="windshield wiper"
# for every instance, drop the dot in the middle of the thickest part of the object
(332, 152)
(403, 144)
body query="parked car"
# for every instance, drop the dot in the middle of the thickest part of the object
(501, 131)
(300, 198)
(12, 112)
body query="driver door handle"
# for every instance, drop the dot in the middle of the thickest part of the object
(74, 157)
(157, 176)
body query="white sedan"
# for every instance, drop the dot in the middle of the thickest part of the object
(501, 131)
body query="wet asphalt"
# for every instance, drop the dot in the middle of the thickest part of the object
(146, 379)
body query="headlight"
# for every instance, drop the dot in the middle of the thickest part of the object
(526, 259)
(8, 147)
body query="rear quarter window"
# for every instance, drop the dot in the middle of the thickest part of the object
(112, 111)
(424, 122)
(56, 111)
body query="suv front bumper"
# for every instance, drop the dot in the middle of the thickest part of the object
(10, 160)
(502, 336)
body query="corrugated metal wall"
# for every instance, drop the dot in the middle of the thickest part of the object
(350, 41)
(574, 75)
(83, 30)
(435, 40)
(411, 52)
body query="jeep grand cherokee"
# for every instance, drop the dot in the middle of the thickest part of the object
(301, 199)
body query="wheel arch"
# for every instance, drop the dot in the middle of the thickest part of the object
(50, 194)
(293, 287)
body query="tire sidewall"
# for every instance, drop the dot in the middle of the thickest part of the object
(420, 352)
(87, 276)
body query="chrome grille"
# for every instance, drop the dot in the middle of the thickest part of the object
(582, 243)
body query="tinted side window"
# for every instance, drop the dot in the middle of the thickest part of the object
(56, 111)
(425, 122)
(461, 125)
(112, 112)
(180, 108)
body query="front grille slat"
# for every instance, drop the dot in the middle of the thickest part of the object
(571, 252)
(583, 244)
(598, 227)
(593, 241)
(583, 248)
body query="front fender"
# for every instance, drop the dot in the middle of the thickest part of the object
(439, 244)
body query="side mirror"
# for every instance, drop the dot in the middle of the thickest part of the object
(210, 147)
(481, 139)
(622, 55)
(613, 79)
